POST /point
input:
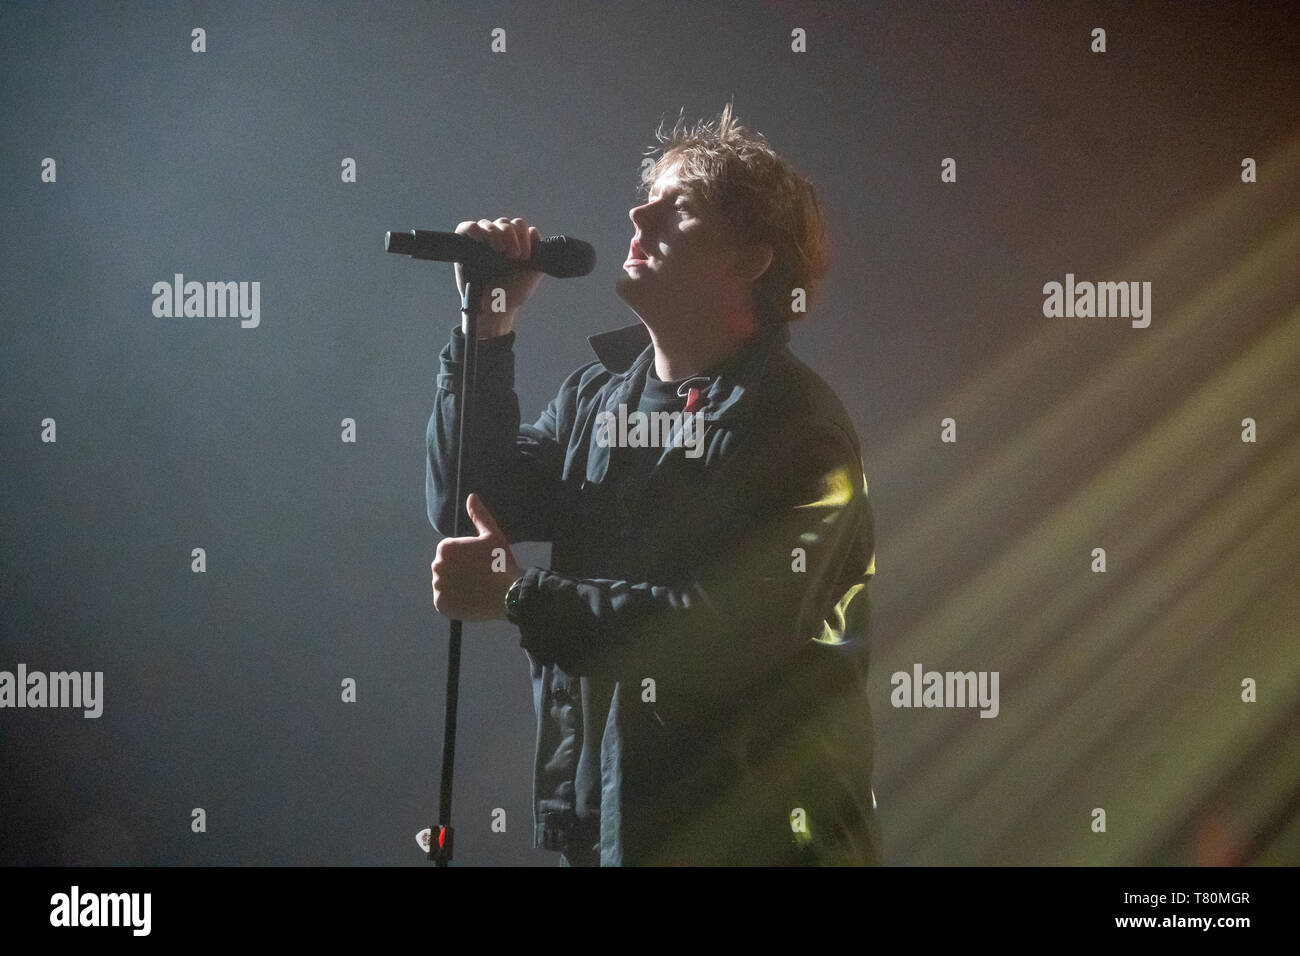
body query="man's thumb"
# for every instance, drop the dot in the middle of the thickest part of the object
(482, 518)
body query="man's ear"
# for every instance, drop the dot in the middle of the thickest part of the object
(753, 260)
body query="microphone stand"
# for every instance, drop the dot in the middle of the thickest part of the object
(479, 265)
(440, 837)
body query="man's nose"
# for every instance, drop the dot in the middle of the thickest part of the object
(640, 215)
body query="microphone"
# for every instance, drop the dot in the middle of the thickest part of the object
(557, 256)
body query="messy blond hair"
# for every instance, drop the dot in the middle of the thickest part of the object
(736, 172)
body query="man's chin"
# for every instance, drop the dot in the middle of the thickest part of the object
(626, 288)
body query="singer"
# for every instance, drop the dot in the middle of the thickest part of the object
(698, 645)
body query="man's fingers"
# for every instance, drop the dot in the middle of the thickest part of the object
(523, 240)
(509, 238)
(513, 238)
(482, 518)
(491, 234)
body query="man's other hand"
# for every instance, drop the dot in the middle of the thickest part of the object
(472, 575)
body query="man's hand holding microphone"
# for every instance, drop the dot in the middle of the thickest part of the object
(514, 239)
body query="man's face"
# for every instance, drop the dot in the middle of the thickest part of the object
(680, 254)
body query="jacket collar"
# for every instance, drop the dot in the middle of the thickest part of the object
(618, 349)
(628, 351)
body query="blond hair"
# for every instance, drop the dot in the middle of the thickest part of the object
(735, 172)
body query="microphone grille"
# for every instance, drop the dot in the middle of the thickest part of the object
(565, 258)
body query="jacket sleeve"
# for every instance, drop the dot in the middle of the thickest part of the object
(516, 469)
(789, 563)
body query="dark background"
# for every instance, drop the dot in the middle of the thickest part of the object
(222, 690)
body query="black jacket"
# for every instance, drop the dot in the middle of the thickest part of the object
(698, 646)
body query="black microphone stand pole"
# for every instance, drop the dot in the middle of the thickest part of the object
(479, 264)
(440, 837)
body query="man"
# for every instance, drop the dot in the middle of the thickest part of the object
(697, 648)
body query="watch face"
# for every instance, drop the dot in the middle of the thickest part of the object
(512, 598)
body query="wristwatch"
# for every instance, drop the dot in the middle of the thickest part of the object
(512, 600)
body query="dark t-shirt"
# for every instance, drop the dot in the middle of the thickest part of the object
(656, 396)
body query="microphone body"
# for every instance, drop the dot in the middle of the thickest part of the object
(557, 256)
